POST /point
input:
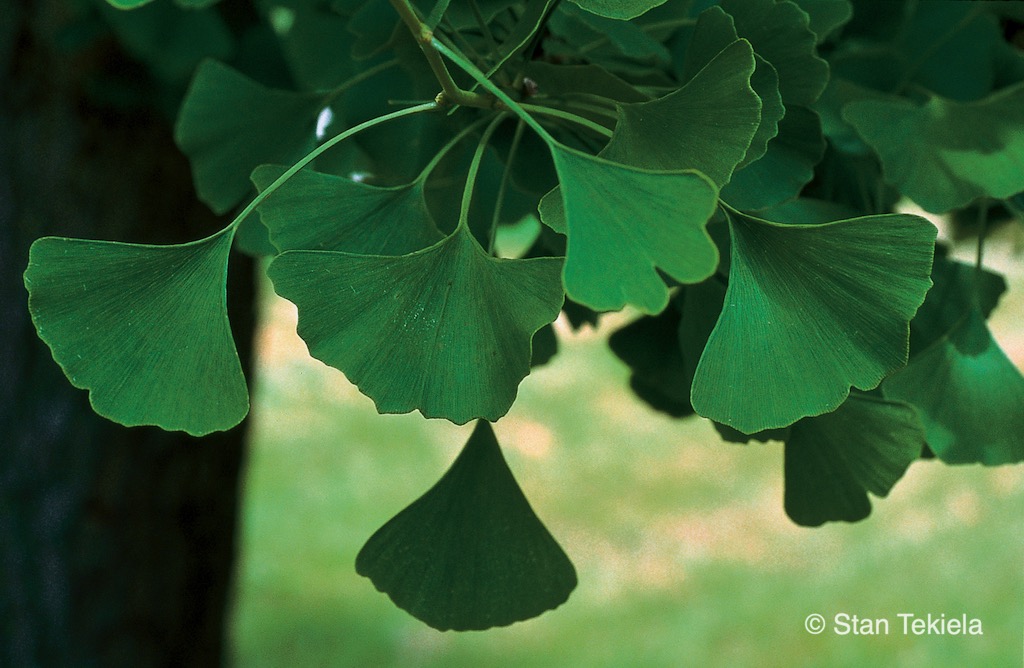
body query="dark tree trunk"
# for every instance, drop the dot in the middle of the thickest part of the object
(116, 545)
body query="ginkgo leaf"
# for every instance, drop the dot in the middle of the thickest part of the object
(143, 328)
(128, 4)
(706, 125)
(470, 554)
(832, 461)
(968, 392)
(810, 311)
(618, 9)
(624, 224)
(445, 330)
(650, 346)
(943, 154)
(315, 211)
(779, 33)
(715, 31)
(229, 124)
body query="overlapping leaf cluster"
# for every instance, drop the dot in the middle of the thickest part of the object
(728, 170)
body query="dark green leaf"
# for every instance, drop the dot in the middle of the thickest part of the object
(779, 33)
(143, 328)
(624, 224)
(826, 15)
(564, 80)
(811, 310)
(706, 125)
(942, 153)
(445, 330)
(470, 554)
(314, 211)
(650, 346)
(832, 461)
(229, 124)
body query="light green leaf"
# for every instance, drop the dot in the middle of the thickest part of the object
(228, 124)
(706, 125)
(832, 461)
(314, 211)
(943, 154)
(624, 224)
(968, 392)
(785, 168)
(470, 554)
(779, 33)
(618, 9)
(143, 328)
(810, 311)
(445, 330)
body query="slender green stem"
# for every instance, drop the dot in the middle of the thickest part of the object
(474, 168)
(319, 150)
(503, 187)
(510, 104)
(452, 143)
(484, 28)
(592, 108)
(440, 7)
(424, 36)
(567, 116)
(464, 43)
(358, 79)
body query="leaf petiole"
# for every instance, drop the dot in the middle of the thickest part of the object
(474, 168)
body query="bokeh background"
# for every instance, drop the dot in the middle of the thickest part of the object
(684, 553)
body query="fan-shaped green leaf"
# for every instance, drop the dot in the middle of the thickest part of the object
(810, 311)
(969, 395)
(706, 125)
(143, 328)
(618, 9)
(470, 554)
(314, 211)
(832, 461)
(128, 4)
(779, 33)
(624, 224)
(229, 124)
(943, 154)
(445, 330)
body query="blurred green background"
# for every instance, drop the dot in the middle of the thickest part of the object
(683, 551)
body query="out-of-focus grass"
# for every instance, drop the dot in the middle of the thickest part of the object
(684, 554)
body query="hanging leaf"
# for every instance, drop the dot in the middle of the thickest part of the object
(706, 125)
(624, 224)
(778, 32)
(470, 554)
(650, 346)
(810, 311)
(445, 330)
(618, 9)
(314, 211)
(143, 328)
(228, 124)
(943, 154)
(968, 392)
(832, 461)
